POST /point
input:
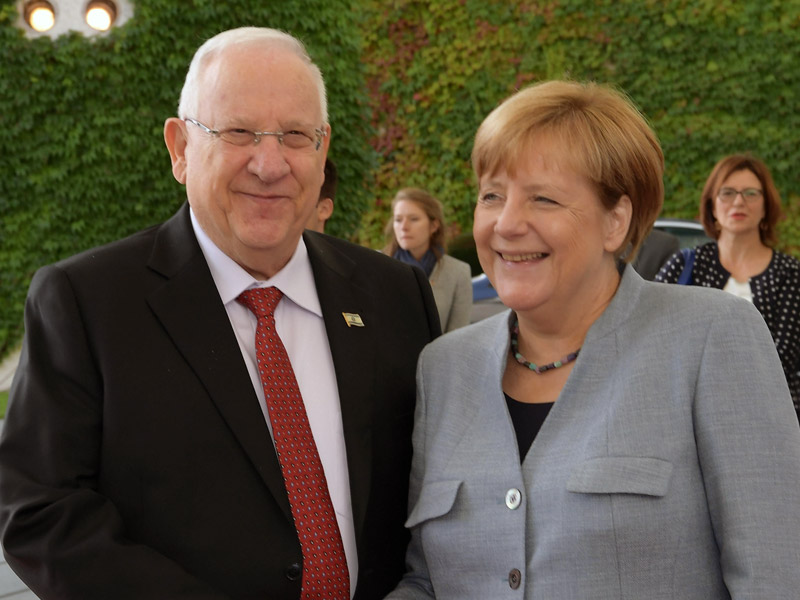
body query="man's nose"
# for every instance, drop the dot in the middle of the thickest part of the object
(269, 161)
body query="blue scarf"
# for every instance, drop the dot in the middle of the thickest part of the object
(426, 263)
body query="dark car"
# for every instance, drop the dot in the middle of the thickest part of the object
(484, 297)
(690, 233)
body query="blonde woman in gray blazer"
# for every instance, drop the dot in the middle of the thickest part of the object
(416, 236)
(606, 438)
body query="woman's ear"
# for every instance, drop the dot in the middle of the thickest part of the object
(175, 139)
(618, 223)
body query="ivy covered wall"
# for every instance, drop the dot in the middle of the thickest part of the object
(713, 76)
(83, 160)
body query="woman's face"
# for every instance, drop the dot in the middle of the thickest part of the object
(413, 228)
(740, 212)
(543, 237)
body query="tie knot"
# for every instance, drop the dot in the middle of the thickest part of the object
(261, 301)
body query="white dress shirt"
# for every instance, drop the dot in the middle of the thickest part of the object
(299, 323)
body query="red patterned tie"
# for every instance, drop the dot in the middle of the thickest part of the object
(325, 574)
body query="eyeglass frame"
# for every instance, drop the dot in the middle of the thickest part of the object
(758, 194)
(257, 135)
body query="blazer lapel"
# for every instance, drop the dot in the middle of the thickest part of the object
(352, 348)
(192, 313)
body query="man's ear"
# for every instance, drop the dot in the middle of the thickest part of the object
(324, 209)
(618, 223)
(175, 139)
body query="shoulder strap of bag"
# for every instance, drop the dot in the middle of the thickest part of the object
(685, 277)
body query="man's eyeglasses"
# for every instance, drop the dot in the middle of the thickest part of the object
(296, 139)
(728, 195)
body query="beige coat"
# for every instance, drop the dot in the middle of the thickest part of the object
(452, 289)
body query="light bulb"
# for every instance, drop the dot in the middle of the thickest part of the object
(98, 18)
(101, 15)
(40, 15)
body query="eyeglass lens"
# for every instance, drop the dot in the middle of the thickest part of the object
(295, 139)
(291, 139)
(748, 194)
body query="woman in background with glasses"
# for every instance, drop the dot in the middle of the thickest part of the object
(740, 208)
(416, 236)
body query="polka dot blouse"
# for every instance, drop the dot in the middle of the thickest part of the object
(776, 295)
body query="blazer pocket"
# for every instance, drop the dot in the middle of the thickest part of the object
(621, 475)
(435, 500)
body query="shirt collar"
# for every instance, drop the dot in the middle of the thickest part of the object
(295, 279)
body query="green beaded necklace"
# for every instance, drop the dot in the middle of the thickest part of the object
(525, 363)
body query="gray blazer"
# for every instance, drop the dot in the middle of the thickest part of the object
(452, 290)
(669, 467)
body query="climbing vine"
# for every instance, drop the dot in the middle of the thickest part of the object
(713, 77)
(409, 81)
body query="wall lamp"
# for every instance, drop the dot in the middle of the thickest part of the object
(40, 15)
(55, 17)
(101, 15)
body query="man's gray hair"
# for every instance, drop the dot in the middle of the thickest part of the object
(255, 36)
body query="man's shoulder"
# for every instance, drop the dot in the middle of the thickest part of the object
(123, 258)
(108, 269)
(328, 246)
(136, 247)
(110, 251)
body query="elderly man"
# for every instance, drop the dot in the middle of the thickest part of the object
(220, 406)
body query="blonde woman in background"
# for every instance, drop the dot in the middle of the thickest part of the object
(416, 236)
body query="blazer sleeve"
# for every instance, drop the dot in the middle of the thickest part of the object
(461, 309)
(671, 270)
(748, 446)
(416, 582)
(51, 511)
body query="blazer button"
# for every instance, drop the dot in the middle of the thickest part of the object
(293, 572)
(513, 498)
(514, 578)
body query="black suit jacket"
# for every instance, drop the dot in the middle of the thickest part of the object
(656, 248)
(135, 461)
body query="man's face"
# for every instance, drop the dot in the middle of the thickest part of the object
(253, 201)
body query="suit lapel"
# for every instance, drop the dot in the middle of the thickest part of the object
(352, 348)
(189, 307)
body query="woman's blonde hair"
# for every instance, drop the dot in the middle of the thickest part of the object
(432, 208)
(596, 130)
